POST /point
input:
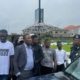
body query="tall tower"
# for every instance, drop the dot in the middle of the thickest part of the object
(39, 11)
(39, 14)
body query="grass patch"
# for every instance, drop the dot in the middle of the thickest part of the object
(66, 47)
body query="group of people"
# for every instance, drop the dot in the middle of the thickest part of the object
(29, 58)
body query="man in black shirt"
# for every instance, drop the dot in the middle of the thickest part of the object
(39, 55)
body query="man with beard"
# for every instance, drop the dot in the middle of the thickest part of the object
(6, 55)
(38, 55)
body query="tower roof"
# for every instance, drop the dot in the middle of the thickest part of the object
(40, 28)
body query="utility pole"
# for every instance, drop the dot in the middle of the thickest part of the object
(39, 11)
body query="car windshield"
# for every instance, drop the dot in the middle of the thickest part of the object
(74, 69)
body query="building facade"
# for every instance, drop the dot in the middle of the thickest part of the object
(42, 29)
(73, 29)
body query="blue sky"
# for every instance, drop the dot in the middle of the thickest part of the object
(15, 15)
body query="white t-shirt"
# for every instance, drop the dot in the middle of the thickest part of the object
(6, 50)
(60, 56)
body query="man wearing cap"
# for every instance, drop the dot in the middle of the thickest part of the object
(75, 49)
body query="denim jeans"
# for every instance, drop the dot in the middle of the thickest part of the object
(3, 77)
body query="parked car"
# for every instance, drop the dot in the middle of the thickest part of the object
(72, 72)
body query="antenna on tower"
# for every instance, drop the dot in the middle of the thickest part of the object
(39, 4)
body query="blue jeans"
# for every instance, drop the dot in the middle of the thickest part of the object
(3, 77)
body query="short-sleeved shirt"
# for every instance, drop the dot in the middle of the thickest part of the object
(60, 56)
(49, 55)
(6, 50)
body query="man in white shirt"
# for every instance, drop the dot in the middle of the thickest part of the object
(6, 53)
(61, 57)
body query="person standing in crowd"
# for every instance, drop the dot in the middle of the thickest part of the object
(14, 40)
(48, 64)
(75, 49)
(61, 57)
(20, 40)
(6, 55)
(24, 59)
(38, 55)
